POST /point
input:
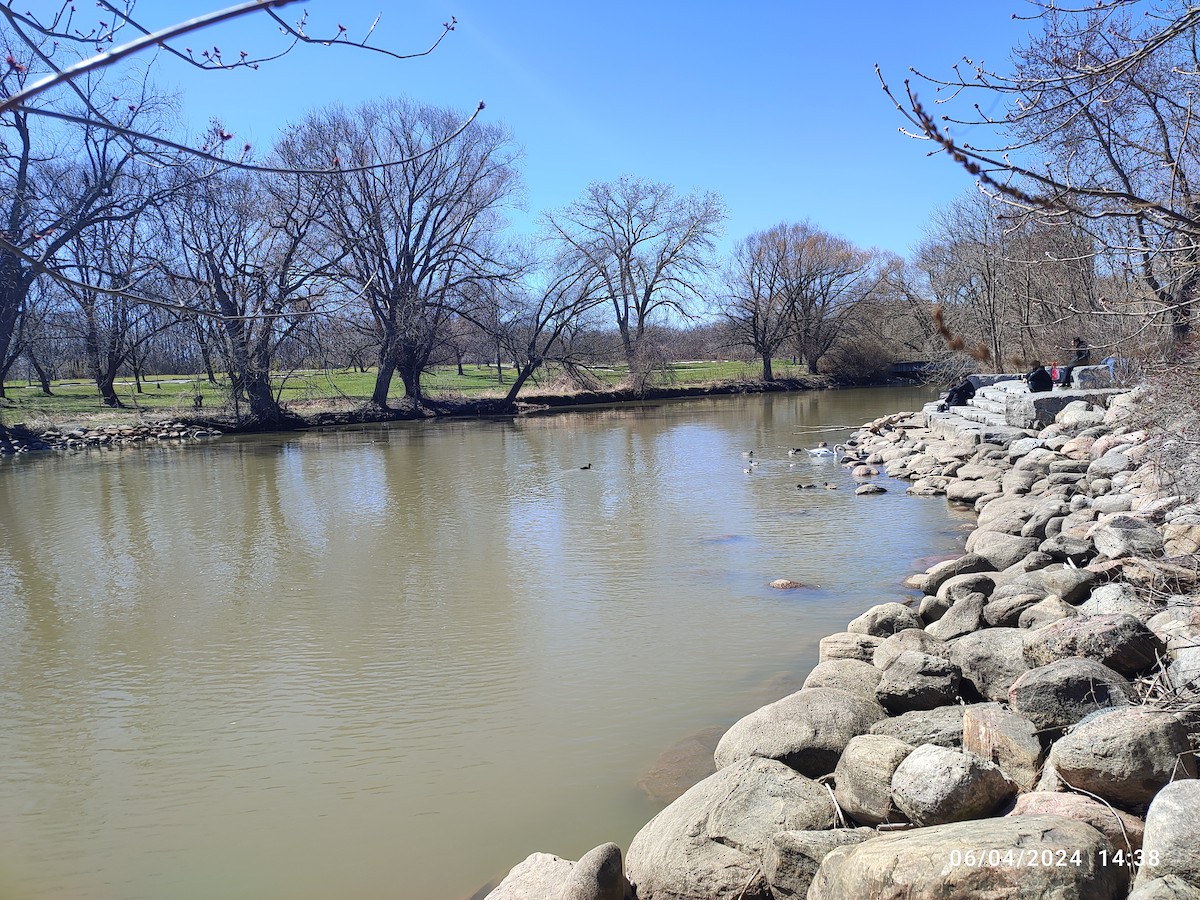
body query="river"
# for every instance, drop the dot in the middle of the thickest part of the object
(390, 662)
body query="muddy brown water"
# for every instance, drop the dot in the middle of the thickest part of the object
(391, 662)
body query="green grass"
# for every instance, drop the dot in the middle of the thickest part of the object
(165, 396)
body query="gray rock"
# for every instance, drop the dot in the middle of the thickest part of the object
(956, 587)
(1110, 464)
(909, 639)
(1124, 831)
(960, 491)
(1113, 503)
(1124, 756)
(539, 875)
(999, 549)
(1052, 609)
(1169, 887)
(966, 564)
(848, 645)
(863, 778)
(1114, 599)
(792, 858)
(807, 730)
(1072, 584)
(709, 842)
(867, 489)
(991, 660)
(1122, 536)
(885, 619)
(1172, 839)
(963, 617)
(851, 675)
(917, 680)
(942, 726)
(599, 875)
(935, 785)
(1006, 612)
(1006, 739)
(1060, 694)
(920, 864)
(1120, 642)
(932, 608)
(1017, 481)
(681, 765)
(1062, 548)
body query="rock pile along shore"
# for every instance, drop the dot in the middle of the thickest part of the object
(1026, 729)
(20, 440)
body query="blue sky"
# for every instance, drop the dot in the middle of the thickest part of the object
(773, 105)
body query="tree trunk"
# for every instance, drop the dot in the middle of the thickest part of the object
(43, 378)
(523, 374)
(768, 375)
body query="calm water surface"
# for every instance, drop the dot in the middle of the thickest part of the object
(391, 662)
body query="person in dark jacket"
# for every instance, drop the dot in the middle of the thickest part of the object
(1081, 355)
(959, 394)
(1039, 379)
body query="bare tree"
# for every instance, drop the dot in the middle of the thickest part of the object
(756, 307)
(539, 323)
(417, 236)
(648, 247)
(54, 104)
(1098, 123)
(824, 277)
(249, 260)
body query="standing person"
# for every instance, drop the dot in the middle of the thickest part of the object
(1081, 355)
(1039, 379)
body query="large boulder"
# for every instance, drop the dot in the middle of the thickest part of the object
(885, 619)
(1042, 613)
(960, 491)
(1060, 694)
(1121, 536)
(999, 549)
(807, 730)
(935, 785)
(993, 859)
(1171, 846)
(910, 639)
(942, 726)
(966, 564)
(708, 844)
(1120, 642)
(1124, 756)
(1005, 612)
(863, 778)
(990, 659)
(1068, 582)
(599, 875)
(917, 680)
(1124, 831)
(539, 875)
(851, 675)
(964, 616)
(792, 858)
(1010, 741)
(848, 645)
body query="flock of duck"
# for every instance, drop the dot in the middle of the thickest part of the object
(820, 452)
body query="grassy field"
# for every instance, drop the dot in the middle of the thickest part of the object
(308, 391)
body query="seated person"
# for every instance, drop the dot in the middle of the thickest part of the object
(1039, 379)
(1081, 355)
(959, 394)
